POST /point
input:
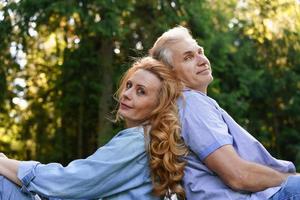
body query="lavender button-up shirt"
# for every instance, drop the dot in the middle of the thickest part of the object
(207, 127)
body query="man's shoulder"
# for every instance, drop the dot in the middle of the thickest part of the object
(194, 98)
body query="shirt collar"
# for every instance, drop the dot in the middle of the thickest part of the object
(189, 89)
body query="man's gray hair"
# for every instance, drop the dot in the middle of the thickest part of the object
(161, 50)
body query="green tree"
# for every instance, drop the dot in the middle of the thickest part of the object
(62, 60)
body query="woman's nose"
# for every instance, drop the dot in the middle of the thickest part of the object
(127, 93)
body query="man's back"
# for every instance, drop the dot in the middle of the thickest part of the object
(207, 127)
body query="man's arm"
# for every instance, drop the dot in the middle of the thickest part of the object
(240, 174)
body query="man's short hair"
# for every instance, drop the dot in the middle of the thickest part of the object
(160, 50)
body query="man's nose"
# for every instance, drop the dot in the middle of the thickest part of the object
(201, 59)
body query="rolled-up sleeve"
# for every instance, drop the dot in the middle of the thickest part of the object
(26, 173)
(203, 128)
(113, 168)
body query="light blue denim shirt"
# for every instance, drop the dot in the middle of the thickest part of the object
(207, 127)
(117, 171)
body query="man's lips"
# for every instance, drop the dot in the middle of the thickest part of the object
(204, 70)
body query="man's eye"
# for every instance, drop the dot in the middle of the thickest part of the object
(188, 57)
(201, 51)
(140, 91)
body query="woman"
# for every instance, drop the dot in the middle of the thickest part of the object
(119, 170)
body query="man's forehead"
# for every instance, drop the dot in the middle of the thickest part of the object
(186, 45)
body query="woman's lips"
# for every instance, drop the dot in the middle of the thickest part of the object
(124, 106)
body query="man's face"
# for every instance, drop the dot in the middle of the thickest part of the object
(191, 65)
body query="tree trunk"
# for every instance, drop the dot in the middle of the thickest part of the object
(80, 126)
(104, 128)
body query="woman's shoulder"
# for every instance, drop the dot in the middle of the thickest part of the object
(136, 132)
(128, 140)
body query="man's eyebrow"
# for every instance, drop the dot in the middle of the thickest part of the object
(187, 52)
(191, 52)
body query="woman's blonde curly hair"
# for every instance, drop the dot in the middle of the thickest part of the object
(165, 147)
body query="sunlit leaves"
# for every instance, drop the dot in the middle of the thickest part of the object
(64, 58)
(268, 20)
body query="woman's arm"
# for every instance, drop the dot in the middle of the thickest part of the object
(9, 169)
(116, 167)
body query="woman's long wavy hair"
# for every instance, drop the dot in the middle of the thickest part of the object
(165, 146)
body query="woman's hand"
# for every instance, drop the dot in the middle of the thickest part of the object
(2, 155)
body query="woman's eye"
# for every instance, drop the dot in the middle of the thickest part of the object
(128, 85)
(140, 91)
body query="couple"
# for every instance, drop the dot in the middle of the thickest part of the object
(145, 161)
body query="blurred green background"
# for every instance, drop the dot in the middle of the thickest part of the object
(60, 63)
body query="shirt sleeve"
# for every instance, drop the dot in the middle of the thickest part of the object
(203, 128)
(113, 168)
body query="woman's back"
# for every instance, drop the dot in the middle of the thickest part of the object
(115, 171)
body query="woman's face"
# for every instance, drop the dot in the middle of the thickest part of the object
(139, 97)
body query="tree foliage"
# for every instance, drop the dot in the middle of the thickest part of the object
(61, 62)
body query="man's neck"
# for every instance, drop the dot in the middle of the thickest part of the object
(202, 90)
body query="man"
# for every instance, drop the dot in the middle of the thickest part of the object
(225, 162)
